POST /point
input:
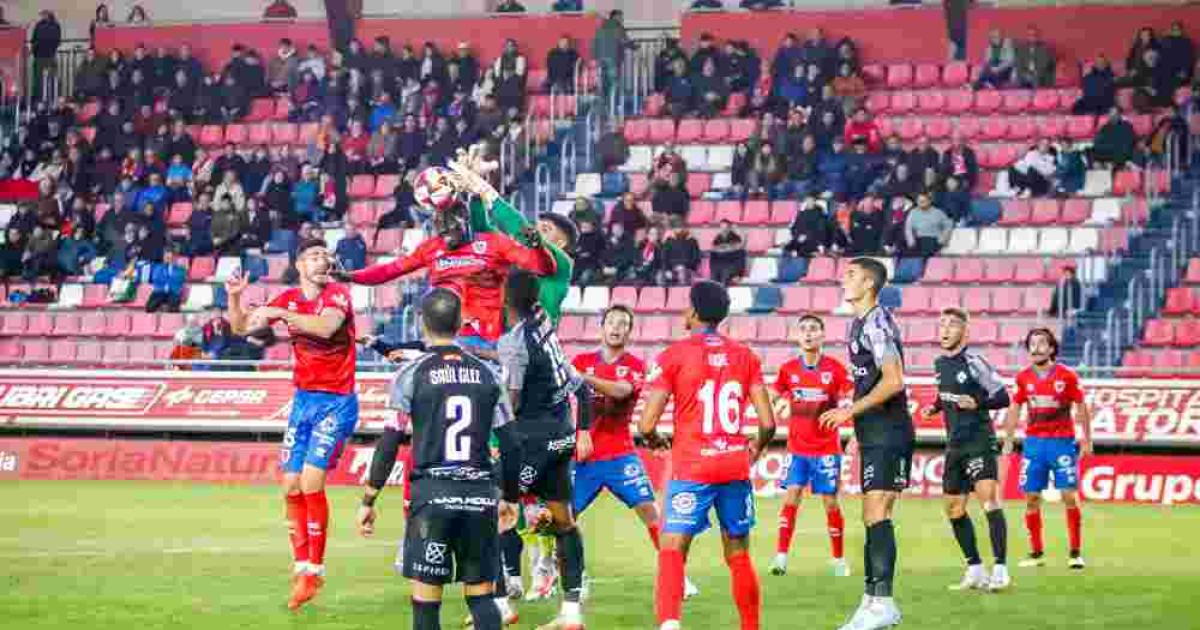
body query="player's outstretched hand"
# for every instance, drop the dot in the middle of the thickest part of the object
(782, 409)
(236, 284)
(967, 403)
(835, 418)
(509, 512)
(366, 520)
(656, 442)
(583, 446)
(1085, 448)
(531, 237)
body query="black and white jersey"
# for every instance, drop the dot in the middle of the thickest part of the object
(967, 374)
(534, 365)
(873, 340)
(454, 401)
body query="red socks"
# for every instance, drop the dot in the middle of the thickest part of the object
(1074, 524)
(1033, 523)
(653, 531)
(318, 522)
(745, 589)
(669, 593)
(836, 525)
(297, 517)
(787, 526)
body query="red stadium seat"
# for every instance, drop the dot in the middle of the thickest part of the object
(689, 130)
(796, 300)
(728, 211)
(927, 75)
(1180, 301)
(678, 299)
(1081, 127)
(942, 296)
(773, 330)
(362, 213)
(938, 128)
(783, 212)
(977, 300)
(987, 101)
(716, 131)
(1008, 299)
(756, 212)
(12, 324)
(899, 75)
(1017, 101)
(959, 101)
(759, 241)
(956, 74)
(1187, 333)
(259, 134)
(64, 324)
(637, 130)
(638, 183)
(202, 268)
(1076, 211)
(968, 270)
(994, 128)
(938, 270)
(1015, 212)
(116, 324)
(735, 105)
(260, 109)
(168, 325)
(740, 129)
(654, 105)
(236, 133)
(625, 295)
(95, 295)
(1127, 182)
(212, 135)
(878, 102)
(821, 269)
(703, 212)
(698, 183)
(1159, 332)
(911, 129)
(1052, 127)
(283, 108)
(62, 351)
(1142, 124)
(652, 300)
(1193, 272)
(874, 74)
(1066, 74)
(1045, 101)
(115, 353)
(662, 130)
(921, 332)
(969, 127)
(903, 102)
(1005, 155)
(931, 102)
(984, 331)
(1000, 270)
(144, 324)
(361, 186)
(36, 351)
(284, 133)
(914, 299)
(656, 329)
(1045, 212)
(385, 186)
(743, 328)
(1021, 128)
(826, 300)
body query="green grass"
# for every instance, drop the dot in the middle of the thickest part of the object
(142, 556)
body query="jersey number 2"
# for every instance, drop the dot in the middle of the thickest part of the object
(725, 405)
(458, 446)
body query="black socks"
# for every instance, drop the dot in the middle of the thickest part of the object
(964, 533)
(570, 559)
(427, 615)
(998, 531)
(484, 612)
(881, 558)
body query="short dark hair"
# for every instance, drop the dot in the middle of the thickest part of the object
(710, 300)
(441, 310)
(521, 292)
(616, 308)
(565, 224)
(875, 269)
(959, 312)
(1050, 339)
(812, 317)
(308, 244)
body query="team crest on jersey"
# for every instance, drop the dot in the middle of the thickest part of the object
(622, 371)
(339, 299)
(1059, 386)
(684, 502)
(826, 378)
(962, 377)
(654, 373)
(479, 247)
(795, 379)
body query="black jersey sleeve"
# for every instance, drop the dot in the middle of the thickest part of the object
(583, 405)
(989, 381)
(384, 459)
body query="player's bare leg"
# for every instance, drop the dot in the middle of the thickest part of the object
(1074, 528)
(569, 543)
(312, 487)
(975, 577)
(835, 524)
(672, 558)
(987, 492)
(878, 609)
(1033, 525)
(648, 513)
(787, 527)
(747, 595)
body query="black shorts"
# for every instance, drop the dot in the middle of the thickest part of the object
(966, 467)
(451, 534)
(546, 467)
(885, 468)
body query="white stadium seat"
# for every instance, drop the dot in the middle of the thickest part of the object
(360, 296)
(1097, 184)
(763, 270)
(1105, 211)
(639, 159)
(720, 157)
(563, 207)
(1084, 240)
(740, 299)
(595, 299)
(226, 267)
(696, 157)
(199, 297)
(571, 302)
(721, 181)
(1054, 241)
(70, 296)
(587, 184)
(991, 241)
(962, 241)
(413, 237)
(1020, 241)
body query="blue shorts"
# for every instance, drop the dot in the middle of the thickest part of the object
(822, 472)
(688, 503)
(624, 477)
(1043, 456)
(318, 427)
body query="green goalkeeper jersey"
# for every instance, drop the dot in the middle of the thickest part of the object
(552, 290)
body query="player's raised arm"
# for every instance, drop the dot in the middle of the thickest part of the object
(388, 271)
(616, 390)
(234, 287)
(991, 382)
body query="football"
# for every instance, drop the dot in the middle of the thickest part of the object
(433, 189)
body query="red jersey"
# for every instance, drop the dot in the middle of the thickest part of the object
(811, 392)
(610, 428)
(1049, 399)
(322, 365)
(476, 271)
(709, 376)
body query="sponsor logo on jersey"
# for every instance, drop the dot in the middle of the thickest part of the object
(718, 360)
(456, 262)
(962, 377)
(684, 503)
(435, 552)
(1059, 386)
(528, 474)
(633, 470)
(8, 462)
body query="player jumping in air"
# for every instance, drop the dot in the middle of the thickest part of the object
(541, 381)
(969, 388)
(320, 322)
(806, 387)
(454, 402)
(616, 377)
(711, 378)
(884, 431)
(1052, 395)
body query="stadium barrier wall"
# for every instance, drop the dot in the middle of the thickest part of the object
(1128, 412)
(1152, 479)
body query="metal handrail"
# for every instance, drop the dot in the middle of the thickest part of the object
(567, 164)
(542, 189)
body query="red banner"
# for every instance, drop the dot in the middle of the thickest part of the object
(1126, 411)
(1158, 479)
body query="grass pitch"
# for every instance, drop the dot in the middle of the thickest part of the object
(140, 556)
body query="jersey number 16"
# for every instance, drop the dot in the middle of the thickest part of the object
(725, 405)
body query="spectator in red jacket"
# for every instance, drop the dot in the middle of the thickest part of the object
(863, 126)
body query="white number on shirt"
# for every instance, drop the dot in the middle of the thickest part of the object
(726, 405)
(458, 447)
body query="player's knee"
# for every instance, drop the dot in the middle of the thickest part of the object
(955, 509)
(1033, 501)
(831, 502)
(1070, 499)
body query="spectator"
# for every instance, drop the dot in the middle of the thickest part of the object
(803, 167)
(816, 51)
(711, 90)
(166, 280)
(727, 260)
(1099, 89)
(760, 5)
(90, 76)
(862, 126)
(621, 255)
(849, 87)
(900, 183)
(511, 60)
(583, 210)
(1153, 83)
(1034, 62)
(1070, 168)
(1032, 175)
(12, 253)
(306, 195)
(671, 200)
(681, 257)
(137, 15)
(1142, 41)
(651, 261)
(232, 188)
(608, 49)
(847, 55)
(794, 87)
(680, 92)
(927, 229)
(283, 71)
(589, 253)
(313, 62)
(955, 200)
(628, 214)
(228, 223)
(509, 6)
(567, 6)
(44, 43)
(924, 157)
(1067, 298)
(768, 173)
(351, 251)
(258, 225)
(560, 66)
(665, 63)
(235, 100)
(743, 68)
(999, 59)
(279, 10)
(188, 343)
(867, 228)
(1178, 54)
(960, 161)
(101, 19)
(75, 252)
(787, 57)
(1114, 143)
(810, 231)
(826, 129)
(41, 253)
(863, 170)
(832, 167)
(667, 165)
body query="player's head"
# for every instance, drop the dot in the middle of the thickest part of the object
(521, 293)
(559, 230)
(616, 326)
(863, 280)
(441, 314)
(1042, 346)
(812, 332)
(453, 224)
(709, 305)
(952, 328)
(313, 261)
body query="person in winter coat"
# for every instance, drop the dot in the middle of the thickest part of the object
(1033, 174)
(811, 230)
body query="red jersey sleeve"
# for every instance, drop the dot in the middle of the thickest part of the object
(1020, 397)
(336, 296)
(841, 378)
(385, 272)
(780, 386)
(538, 261)
(753, 369)
(1072, 392)
(637, 378)
(662, 376)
